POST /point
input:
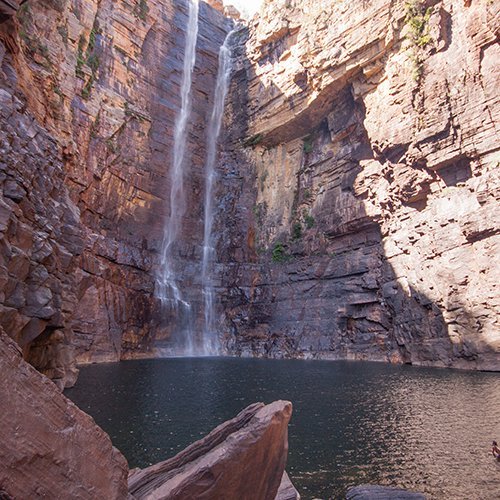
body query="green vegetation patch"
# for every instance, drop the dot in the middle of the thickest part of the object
(417, 19)
(141, 10)
(308, 144)
(250, 142)
(309, 221)
(296, 231)
(89, 58)
(279, 254)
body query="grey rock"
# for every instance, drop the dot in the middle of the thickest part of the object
(375, 492)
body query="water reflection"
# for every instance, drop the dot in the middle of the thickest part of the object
(423, 429)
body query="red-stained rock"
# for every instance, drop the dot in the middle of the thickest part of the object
(370, 158)
(84, 160)
(48, 447)
(216, 4)
(243, 458)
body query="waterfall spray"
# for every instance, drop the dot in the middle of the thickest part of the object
(167, 288)
(210, 342)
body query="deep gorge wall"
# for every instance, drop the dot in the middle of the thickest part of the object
(357, 202)
(89, 94)
(370, 229)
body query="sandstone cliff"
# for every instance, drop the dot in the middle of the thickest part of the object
(372, 129)
(358, 180)
(89, 93)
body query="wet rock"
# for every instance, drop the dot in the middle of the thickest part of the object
(243, 458)
(374, 492)
(87, 96)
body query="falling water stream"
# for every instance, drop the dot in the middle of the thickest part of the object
(167, 287)
(210, 342)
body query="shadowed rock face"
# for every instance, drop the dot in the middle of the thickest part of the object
(48, 447)
(243, 458)
(89, 93)
(361, 154)
(370, 229)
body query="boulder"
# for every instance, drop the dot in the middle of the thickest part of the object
(375, 492)
(48, 447)
(242, 458)
(287, 490)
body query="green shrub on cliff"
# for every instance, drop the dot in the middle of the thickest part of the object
(309, 221)
(308, 146)
(279, 254)
(297, 231)
(417, 19)
(141, 10)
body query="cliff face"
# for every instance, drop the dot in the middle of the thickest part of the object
(358, 180)
(371, 129)
(89, 94)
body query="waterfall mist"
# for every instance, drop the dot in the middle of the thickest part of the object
(167, 287)
(210, 342)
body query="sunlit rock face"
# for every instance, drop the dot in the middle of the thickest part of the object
(371, 227)
(356, 202)
(90, 92)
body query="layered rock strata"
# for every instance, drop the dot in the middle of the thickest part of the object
(358, 183)
(242, 458)
(89, 95)
(48, 447)
(371, 228)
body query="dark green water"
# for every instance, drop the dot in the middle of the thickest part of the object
(417, 428)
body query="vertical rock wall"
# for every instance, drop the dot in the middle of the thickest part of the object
(371, 227)
(89, 93)
(358, 189)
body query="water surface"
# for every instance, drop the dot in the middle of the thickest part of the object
(424, 429)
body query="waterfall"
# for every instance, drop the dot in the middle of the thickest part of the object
(167, 288)
(210, 342)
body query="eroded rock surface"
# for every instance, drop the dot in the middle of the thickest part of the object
(287, 490)
(243, 458)
(48, 447)
(375, 492)
(358, 180)
(89, 93)
(371, 229)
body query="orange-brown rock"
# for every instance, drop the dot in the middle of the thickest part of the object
(216, 4)
(48, 447)
(372, 132)
(89, 94)
(358, 182)
(243, 458)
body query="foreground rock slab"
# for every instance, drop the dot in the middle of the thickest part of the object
(242, 458)
(48, 447)
(287, 490)
(375, 492)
